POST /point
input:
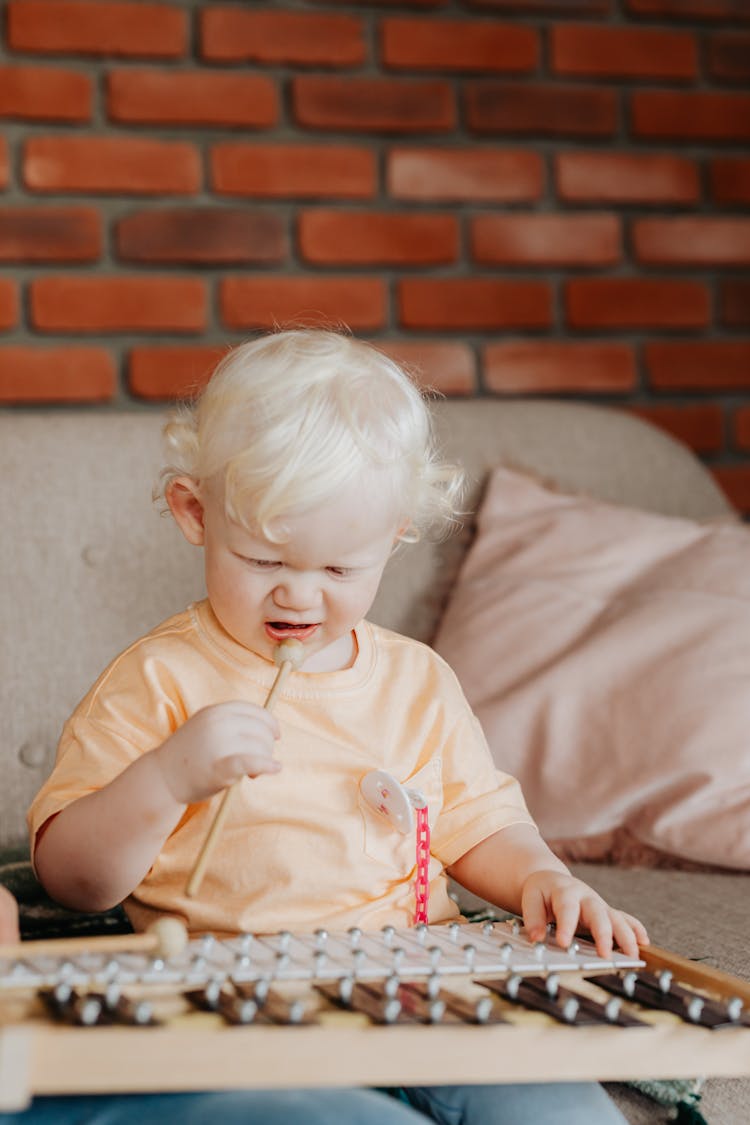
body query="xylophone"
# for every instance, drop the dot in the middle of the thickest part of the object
(469, 1002)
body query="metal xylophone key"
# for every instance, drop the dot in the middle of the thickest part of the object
(397, 1001)
(217, 996)
(374, 1002)
(244, 1002)
(658, 991)
(545, 994)
(475, 1009)
(92, 1009)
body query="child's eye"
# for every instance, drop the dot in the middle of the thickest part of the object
(340, 571)
(261, 564)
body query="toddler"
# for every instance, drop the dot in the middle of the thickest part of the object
(306, 461)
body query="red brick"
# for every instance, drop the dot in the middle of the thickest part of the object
(698, 365)
(97, 27)
(361, 237)
(383, 3)
(619, 177)
(691, 115)
(730, 180)
(446, 367)
(560, 8)
(192, 98)
(171, 372)
(573, 111)
(373, 104)
(9, 306)
(294, 171)
(546, 240)
(116, 304)
(299, 38)
(698, 425)
(4, 163)
(49, 234)
(634, 302)
(541, 366)
(728, 56)
(735, 303)
(694, 240)
(202, 235)
(691, 9)
(742, 427)
(262, 302)
(734, 481)
(44, 94)
(63, 374)
(471, 174)
(446, 45)
(623, 52)
(448, 304)
(110, 165)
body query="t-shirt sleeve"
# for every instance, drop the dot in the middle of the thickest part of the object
(478, 799)
(124, 715)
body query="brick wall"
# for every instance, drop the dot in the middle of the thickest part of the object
(520, 196)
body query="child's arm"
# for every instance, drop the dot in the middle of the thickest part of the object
(516, 870)
(97, 850)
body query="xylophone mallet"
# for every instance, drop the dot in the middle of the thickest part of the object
(287, 656)
(167, 938)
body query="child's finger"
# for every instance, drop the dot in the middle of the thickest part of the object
(247, 714)
(567, 911)
(626, 932)
(534, 911)
(640, 931)
(235, 766)
(599, 923)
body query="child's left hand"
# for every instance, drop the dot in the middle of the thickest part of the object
(8, 917)
(555, 896)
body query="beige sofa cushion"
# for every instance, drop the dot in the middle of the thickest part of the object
(606, 651)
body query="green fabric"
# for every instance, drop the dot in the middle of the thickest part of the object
(689, 1115)
(676, 1091)
(683, 1094)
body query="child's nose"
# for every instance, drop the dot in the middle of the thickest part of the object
(297, 591)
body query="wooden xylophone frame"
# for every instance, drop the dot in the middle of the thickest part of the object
(196, 1050)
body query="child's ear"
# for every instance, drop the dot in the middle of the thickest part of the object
(402, 532)
(182, 496)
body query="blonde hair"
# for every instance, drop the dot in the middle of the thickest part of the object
(289, 417)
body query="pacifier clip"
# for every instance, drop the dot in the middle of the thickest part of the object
(406, 809)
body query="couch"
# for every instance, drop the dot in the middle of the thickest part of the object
(89, 563)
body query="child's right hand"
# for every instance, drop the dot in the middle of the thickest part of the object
(216, 747)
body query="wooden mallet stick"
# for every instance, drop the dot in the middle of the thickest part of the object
(166, 938)
(288, 655)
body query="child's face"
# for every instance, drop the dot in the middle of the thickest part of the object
(316, 586)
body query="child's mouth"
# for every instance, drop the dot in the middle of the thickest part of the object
(283, 630)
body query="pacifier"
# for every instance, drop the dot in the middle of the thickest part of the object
(391, 799)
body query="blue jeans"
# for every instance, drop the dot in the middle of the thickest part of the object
(556, 1103)
(235, 1107)
(552, 1103)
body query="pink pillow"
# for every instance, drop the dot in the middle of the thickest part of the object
(606, 652)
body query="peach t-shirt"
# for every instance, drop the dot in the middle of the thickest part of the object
(301, 848)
